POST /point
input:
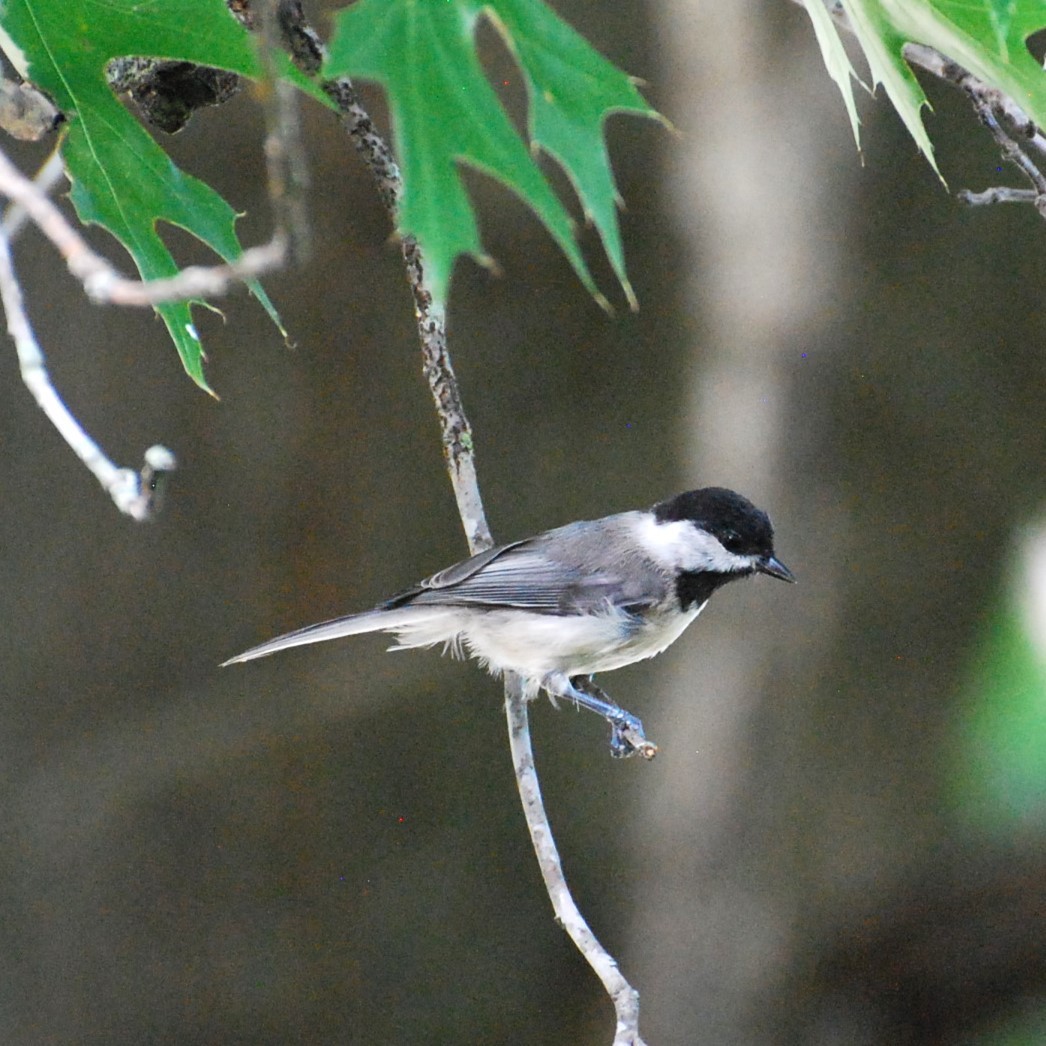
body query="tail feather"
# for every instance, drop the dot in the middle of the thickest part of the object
(353, 625)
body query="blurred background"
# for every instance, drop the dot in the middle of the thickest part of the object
(842, 839)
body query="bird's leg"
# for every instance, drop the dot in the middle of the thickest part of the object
(626, 731)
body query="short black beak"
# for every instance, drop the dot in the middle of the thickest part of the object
(775, 568)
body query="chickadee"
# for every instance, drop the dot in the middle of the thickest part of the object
(588, 597)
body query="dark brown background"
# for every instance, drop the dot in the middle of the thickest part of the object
(326, 846)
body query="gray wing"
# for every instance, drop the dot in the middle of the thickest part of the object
(531, 575)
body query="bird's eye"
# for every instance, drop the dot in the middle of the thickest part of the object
(731, 541)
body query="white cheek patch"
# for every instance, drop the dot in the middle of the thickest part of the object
(680, 545)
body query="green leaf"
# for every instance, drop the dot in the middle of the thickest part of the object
(836, 60)
(988, 38)
(1000, 774)
(445, 113)
(882, 44)
(121, 179)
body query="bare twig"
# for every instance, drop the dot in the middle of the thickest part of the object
(1000, 194)
(1015, 154)
(998, 101)
(308, 52)
(624, 997)
(46, 179)
(990, 104)
(136, 494)
(458, 449)
(284, 150)
(102, 282)
(455, 430)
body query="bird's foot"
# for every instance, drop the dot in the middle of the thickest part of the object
(627, 738)
(626, 730)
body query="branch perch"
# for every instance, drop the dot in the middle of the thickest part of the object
(308, 52)
(136, 494)
(102, 282)
(458, 449)
(624, 997)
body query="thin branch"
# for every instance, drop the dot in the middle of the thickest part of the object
(990, 103)
(455, 430)
(624, 997)
(308, 52)
(458, 449)
(103, 283)
(1016, 155)
(951, 72)
(286, 166)
(1000, 194)
(136, 494)
(46, 180)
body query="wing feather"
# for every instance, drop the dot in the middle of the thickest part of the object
(523, 576)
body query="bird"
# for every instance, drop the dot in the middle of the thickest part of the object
(585, 598)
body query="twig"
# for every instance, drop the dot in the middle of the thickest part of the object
(989, 102)
(308, 52)
(998, 101)
(624, 997)
(455, 430)
(103, 283)
(1016, 155)
(136, 494)
(46, 179)
(1000, 194)
(286, 167)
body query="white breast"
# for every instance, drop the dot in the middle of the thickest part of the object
(535, 645)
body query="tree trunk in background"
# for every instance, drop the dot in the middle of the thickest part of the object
(863, 368)
(757, 181)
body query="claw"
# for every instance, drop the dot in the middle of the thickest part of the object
(627, 739)
(619, 747)
(626, 731)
